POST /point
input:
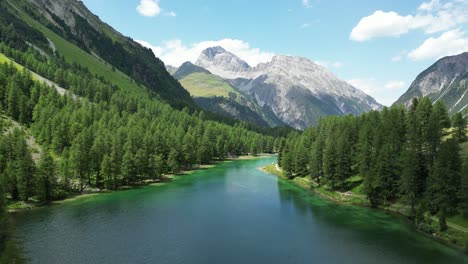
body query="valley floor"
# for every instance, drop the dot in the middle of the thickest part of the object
(455, 236)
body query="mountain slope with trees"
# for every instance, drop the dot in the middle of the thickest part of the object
(110, 128)
(445, 80)
(396, 156)
(69, 29)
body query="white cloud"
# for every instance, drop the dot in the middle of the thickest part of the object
(305, 25)
(156, 50)
(449, 43)
(397, 58)
(428, 6)
(367, 85)
(395, 85)
(171, 14)
(306, 3)
(149, 8)
(380, 24)
(174, 52)
(385, 93)
(431, 17)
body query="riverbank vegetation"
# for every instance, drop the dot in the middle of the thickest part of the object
(76, 131)
(405, 160)
(72, 123)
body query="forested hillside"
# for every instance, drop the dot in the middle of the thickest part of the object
(101, 135)
(70, 124)
(67, 27)
(412, 157)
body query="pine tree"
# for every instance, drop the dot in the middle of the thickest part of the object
(316, 161)
(287, 161)
(173, 161)
(445, 180)
(13, 101)
(301, 158)
(47, 180)
(343, 159)
(459, 126)
(24, 169)
(409, 178)
(107, 173)
(463, 192)
(128, 168)
(157, 166)
(98, 150)
(330, 162)
(80, 159)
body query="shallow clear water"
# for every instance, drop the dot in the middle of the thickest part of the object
(232, 213)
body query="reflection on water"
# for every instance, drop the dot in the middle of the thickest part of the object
(372, 226)
(232, 213)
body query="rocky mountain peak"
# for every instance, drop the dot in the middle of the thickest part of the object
(222, 62)
(213, 51)
(445, 80)
(297, 89)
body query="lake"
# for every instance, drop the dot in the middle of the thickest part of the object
(232, 213)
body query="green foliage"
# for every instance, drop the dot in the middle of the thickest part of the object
(47, 179)
(135, 63)
(444, 182)
(463, 192)
(459, 124)
(202, 84)
(105, 138)
(402, 156)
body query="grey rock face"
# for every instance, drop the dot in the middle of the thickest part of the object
(445, 80)
(222, 63)
(298, 90)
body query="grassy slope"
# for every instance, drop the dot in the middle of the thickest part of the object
(201, 84)
(74, 54)
(20, 67)
(4, 59)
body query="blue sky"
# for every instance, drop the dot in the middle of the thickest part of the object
(378, 46)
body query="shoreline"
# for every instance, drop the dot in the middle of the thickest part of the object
(19, 207)
(392, 209)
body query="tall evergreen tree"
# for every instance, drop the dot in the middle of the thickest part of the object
(329, 163)
(459, 126)
(47, 181)
(445, 181)
(463, 192)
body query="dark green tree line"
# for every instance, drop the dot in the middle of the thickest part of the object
(403, 155)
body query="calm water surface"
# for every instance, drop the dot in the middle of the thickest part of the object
(232, 213)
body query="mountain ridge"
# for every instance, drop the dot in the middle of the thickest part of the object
(71, 20)
(214, 94)
(298, 90)
(445, 80)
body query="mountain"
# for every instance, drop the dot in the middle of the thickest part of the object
(297, 90)
(73, 118)
(445, 80)
(188, 68)
(81, 37)
(214, 94)
(222, 63)
(171, 69)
